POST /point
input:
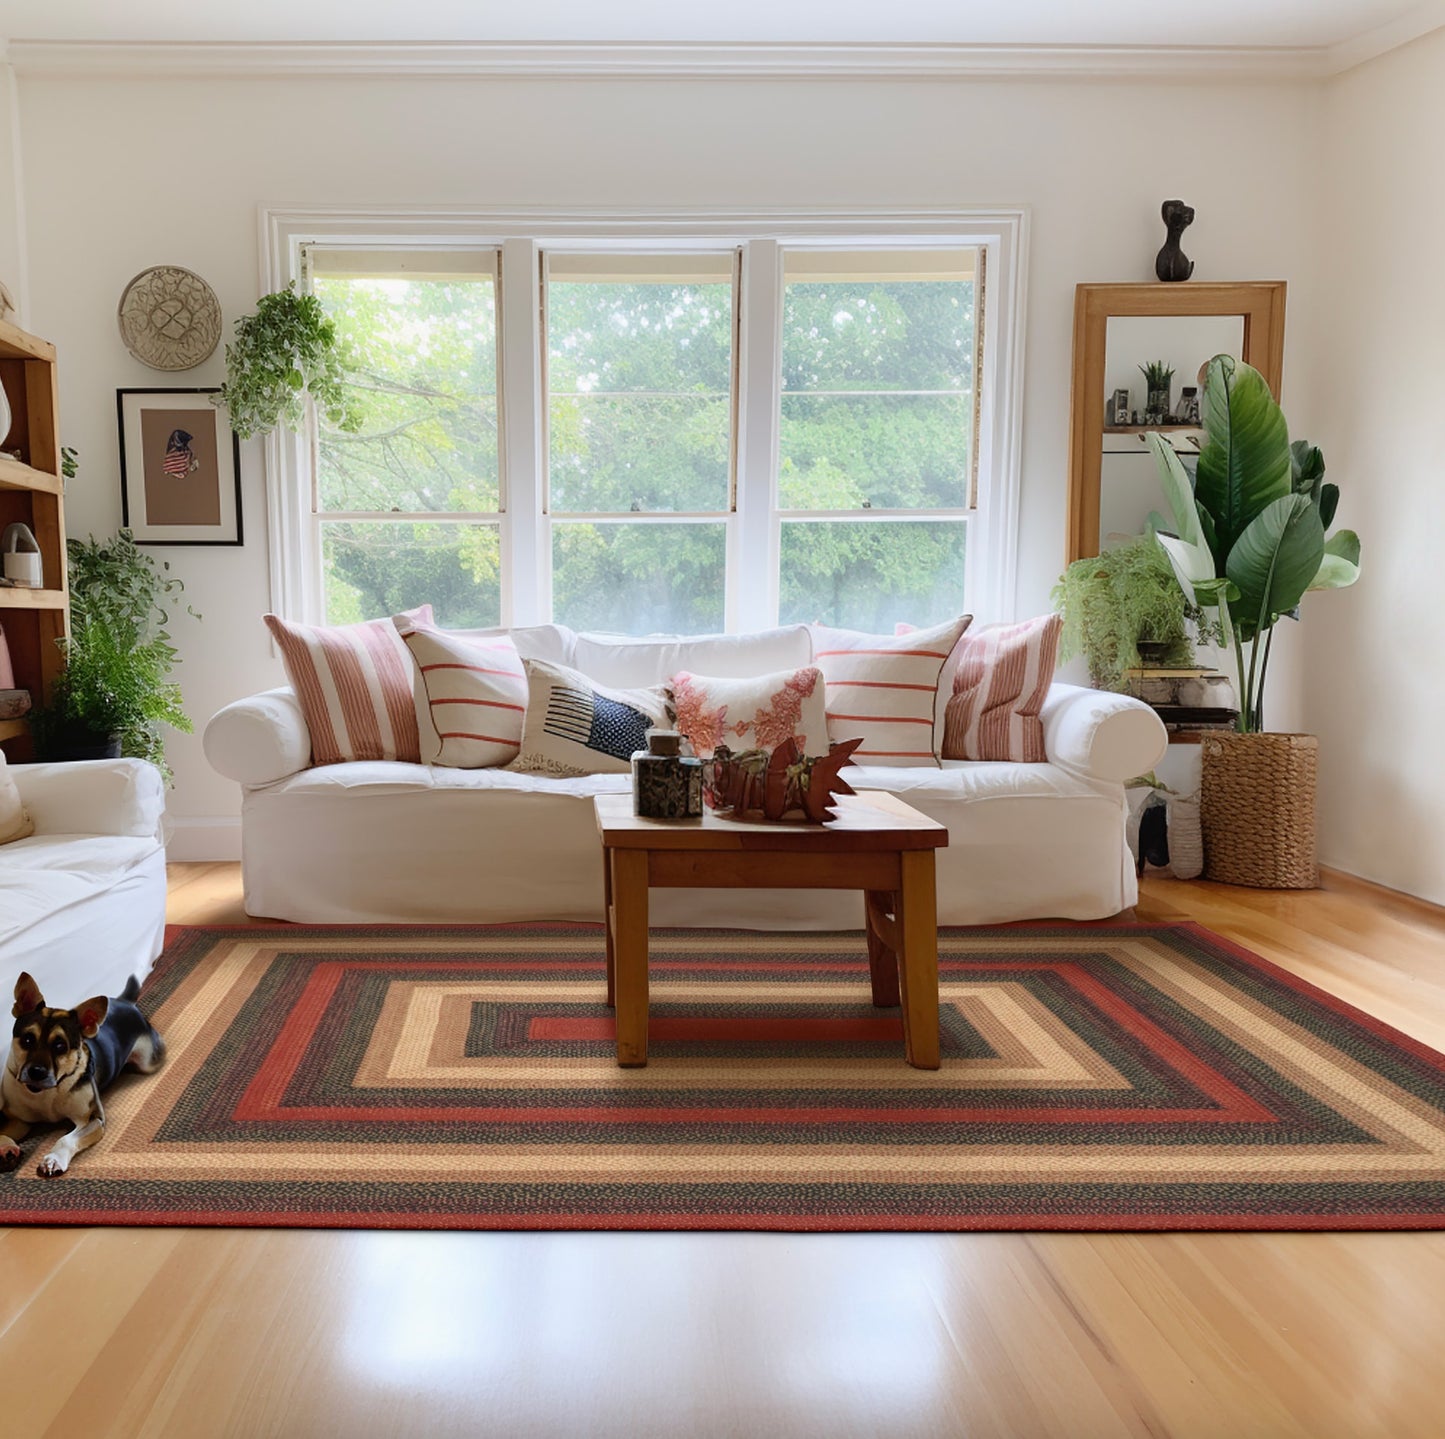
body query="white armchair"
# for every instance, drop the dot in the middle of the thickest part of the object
(83, 899)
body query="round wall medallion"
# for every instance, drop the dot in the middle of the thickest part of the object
(169, 318)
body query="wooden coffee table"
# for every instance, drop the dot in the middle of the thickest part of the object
(877, 844)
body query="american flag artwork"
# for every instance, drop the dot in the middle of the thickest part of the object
(179, 459)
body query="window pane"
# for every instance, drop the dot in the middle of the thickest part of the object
(639, 578)
(639, 378)
(373, 569)
(426, 383)
(848, 452)
(878, 386)
(872, 575)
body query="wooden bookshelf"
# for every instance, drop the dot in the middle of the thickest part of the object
(32, 491)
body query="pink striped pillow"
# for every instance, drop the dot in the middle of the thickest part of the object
(471, 696)
(354, 685)
(883, 689)
(1003, 675)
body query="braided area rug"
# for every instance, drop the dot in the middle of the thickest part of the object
(1095, 1077)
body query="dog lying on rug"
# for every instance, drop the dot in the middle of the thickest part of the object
(61, 1061)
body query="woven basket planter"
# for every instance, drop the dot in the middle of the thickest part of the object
(1257, 809)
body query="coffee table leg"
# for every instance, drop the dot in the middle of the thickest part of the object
(918, 958)
(629, 954)
(608, 921)
(882, 947)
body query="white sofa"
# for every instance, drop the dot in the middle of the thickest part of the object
(83, 899)
(388, 842)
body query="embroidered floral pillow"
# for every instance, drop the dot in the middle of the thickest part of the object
(758, 713)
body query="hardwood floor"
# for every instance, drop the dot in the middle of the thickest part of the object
(1208, 1336)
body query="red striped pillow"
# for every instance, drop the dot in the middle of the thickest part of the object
(354, 686)
(883, 689)
(471, 696)
(1003, 675)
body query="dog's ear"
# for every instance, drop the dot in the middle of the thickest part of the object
(91, 1015)
(27, 996)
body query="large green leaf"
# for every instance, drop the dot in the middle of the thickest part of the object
(1275, 561)
(1245, 465)
(1178, 489)
(1340, 567)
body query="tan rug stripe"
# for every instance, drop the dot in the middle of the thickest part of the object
(1320, 1069)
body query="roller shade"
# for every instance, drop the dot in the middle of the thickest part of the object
(878, 265)
(705, 268)
(328, 260)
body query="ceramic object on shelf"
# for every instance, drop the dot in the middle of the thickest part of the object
(21, 552)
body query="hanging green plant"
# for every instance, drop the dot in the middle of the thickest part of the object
(1113, 601)
(286, 352)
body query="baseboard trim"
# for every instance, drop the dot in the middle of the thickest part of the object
(1342, 879)
(203, 838)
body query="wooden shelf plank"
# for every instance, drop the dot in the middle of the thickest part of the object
(13, 728)
(15, 344)
(16, 597)
(16, 476)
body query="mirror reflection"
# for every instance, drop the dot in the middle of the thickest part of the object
(1152, 382)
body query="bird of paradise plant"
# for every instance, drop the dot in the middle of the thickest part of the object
(1248, 536)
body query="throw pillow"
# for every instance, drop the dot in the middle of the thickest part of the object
(14, 822)
(575, 726)
(758, 713)
(471, 696)
(999, 688)
(354, 686)
(883, 689)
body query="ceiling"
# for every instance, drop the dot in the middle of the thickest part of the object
(1311, 24)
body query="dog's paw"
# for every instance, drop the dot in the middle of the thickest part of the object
(9, 1156)
(51, 1167)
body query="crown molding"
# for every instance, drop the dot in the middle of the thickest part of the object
(713, 59)
(664, 60)
(1383, 38)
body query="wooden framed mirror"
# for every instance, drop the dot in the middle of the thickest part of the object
(1118, 329)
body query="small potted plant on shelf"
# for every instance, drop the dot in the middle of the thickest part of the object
(1160, 379)
(1248, 541)
(115, 694)
(1125, 608)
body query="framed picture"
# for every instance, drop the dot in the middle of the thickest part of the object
(1187, 411)
(1119, 408)
(180, 468)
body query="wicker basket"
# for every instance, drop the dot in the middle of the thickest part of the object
(1257, 809)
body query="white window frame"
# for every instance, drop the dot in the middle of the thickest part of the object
(754, 527)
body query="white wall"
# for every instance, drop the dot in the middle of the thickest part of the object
(12, 267)
(123, 174)
(1375, 663)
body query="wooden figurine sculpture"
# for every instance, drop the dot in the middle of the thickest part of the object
(1171, 263)
(769, 785)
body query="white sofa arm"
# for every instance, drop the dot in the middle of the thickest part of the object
(1102, 735)
(259, 739)
(106, 796)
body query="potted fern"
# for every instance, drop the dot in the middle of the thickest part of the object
(1117, 602)
(115, 695)
(1248, 540)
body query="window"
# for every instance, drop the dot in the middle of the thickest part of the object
(642, 435)
(876, 472)
(409, 508)
(640, 406)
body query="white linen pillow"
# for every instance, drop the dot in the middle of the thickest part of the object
(883, 689)
(470, 696)
(15, 823)
(758, 713)
(574, 726)
(617, 660)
